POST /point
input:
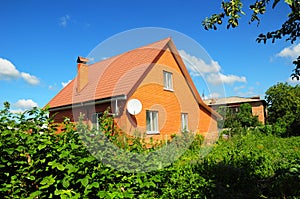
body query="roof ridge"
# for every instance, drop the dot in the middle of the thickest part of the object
(166, 40)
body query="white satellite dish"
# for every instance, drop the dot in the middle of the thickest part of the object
(134, 106)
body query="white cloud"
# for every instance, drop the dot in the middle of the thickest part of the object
(211, 71)
(293, 81)
(25, 104)
(212, 96)
(248, 93)
(198, 66)
(237, 88)
(63, 21)
(30, 79)
(9, 71)
(22, 105)
(290, 52)
(65, 83)
(52, 87)
(219, 78)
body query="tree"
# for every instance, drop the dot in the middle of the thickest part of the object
(283, 105)
(242, 118)
(232, 10)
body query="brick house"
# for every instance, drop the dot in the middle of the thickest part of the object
(153, 75)
(258, 105)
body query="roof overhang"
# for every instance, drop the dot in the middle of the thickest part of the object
(89, 103)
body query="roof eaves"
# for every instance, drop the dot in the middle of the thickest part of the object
(88, 103)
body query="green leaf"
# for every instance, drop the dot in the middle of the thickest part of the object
(40, 147)
(31, 177)
(290, 2)
(293, 170)
(71, 168)
(20, 148)
(64, 154)
(60, 167)
(63, 197)
(47, 181)
(103, 194)
(84, 181)
(65, 183)
(54, 164)
(49, 155)
(95, 184)
(34, 195)
(9, 151)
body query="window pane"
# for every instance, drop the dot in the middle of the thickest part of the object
(168, 84)
(184, 121)
(148, 121)
(170, 81)
(95, 120)
(155, 121)
(165, 79)
(152, 121)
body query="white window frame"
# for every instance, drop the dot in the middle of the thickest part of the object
(115, 108)
(152, 117)
(95, 119)
(184, 122)
(168, 80)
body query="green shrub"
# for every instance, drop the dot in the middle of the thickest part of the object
(38, 163)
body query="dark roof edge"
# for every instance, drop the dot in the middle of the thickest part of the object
(88, 103)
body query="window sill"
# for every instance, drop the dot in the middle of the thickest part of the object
(152, 132)
(185, 131)
(168, 89)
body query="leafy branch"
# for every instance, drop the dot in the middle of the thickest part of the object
(232, 10)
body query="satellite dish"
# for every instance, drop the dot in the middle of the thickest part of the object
(134, 106)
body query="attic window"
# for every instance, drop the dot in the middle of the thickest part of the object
(168, 81)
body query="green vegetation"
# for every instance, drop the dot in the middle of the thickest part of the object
(284, 108)
(237, 119)
(37, 163)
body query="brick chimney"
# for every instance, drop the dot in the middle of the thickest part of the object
(82, 73)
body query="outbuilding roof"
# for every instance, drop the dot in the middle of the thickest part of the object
(232, 100)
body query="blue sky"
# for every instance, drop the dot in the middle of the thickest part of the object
(40, 42)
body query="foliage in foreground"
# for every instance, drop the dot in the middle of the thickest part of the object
(37, 163)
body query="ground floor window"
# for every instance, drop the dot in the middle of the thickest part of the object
(95, 120)
(152, 122)
(184, 122)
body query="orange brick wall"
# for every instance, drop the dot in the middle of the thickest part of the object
(208, 126)
(258, 109)
(169, 104)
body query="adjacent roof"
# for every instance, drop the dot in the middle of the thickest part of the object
(232, 100)
(121, 75)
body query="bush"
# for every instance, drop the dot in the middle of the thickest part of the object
(243, 118)
(38, 163)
